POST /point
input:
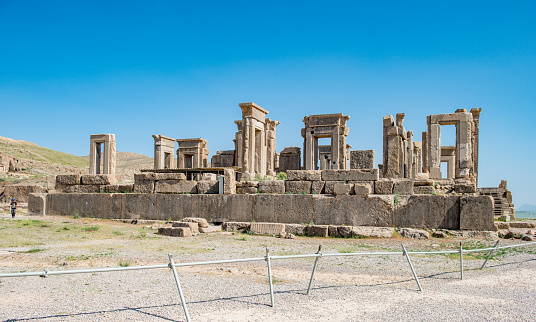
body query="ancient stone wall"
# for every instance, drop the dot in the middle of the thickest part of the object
(447, 212)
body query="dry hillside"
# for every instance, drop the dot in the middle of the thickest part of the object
(31, 163)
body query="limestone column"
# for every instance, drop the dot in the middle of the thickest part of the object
(476, 124)
(434, 150)
(335, 149)
(424, 151)
(463, 149)
(309, 151)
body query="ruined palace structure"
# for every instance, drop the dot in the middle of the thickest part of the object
(332, 126)
(102, 153)
(333, 186)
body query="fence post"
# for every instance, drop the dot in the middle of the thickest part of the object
(270, 276)
(183, 302)
(405, 253)
(489, 255)
(461, 261)
(314, 268)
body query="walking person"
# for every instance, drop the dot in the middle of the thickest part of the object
(13, 205)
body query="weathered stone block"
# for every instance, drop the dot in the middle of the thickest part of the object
(424, 190)
(193, 226)
(202, 222)
(174, 186)
(145, 176)
(118, 188)
(98, 179)
(20, 192)
(333, 231)
(362, 189)
(209, 176)
(236, 226)
(68, 179)
(143, 186)
(519, 224)
(298, 187)
(267, 228)
(317, 230)
(210, 229)
(304, 175)
(465, 187)
(93, 188)
(413, 233)
(37, 204)
(362, 159)
(272, 186)
(244, 184)
(175, 231)
(328, 186)
(296, 229)
(350, 175)
(317, 187)
(229, 182)
(342, 189)
(365, 232)
(476, 213)
(403, 187)
(207, 187)
(423, 182)
(383, 187)
(168, 176)
(246, 190)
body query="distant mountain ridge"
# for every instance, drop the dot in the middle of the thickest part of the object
(526, 207)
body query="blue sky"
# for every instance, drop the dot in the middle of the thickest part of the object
(69, 69)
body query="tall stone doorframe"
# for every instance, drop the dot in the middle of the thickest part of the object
(331, 126)
(192, 153)
(398, 148)
(448, 155)
(466, 149)
(164, 152)
(102, 152)
(255, 141)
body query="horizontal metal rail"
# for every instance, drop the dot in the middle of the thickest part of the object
(255, 259)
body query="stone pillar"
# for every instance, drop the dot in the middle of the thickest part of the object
(463, 149)
(476, 124)
(394, 147)
(424, 151)
(310, 148)
(434, 150)
(107, 142)
(239, 154)
(270, 147)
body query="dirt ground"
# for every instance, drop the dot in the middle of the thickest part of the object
(352, 288)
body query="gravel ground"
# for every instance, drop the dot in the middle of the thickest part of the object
(345, 288)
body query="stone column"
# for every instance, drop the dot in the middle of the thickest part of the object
(309, 149)
(476, 124)
(424, 152)
(434, 150)
(463, 149)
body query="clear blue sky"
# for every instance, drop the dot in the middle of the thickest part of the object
(69, 69)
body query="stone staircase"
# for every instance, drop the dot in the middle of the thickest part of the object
(503, 207)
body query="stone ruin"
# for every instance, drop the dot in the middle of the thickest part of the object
(164, 151)
(102, 154)
(333, 186)
(332, 126)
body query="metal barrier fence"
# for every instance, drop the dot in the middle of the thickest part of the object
(268, 258)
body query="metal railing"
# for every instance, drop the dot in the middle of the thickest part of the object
(268, 258)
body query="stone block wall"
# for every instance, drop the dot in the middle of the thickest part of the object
(415, 211)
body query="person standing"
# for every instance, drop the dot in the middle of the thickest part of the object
(13, 205)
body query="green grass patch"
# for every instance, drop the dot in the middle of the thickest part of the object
(35, 250)
(91, 228)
